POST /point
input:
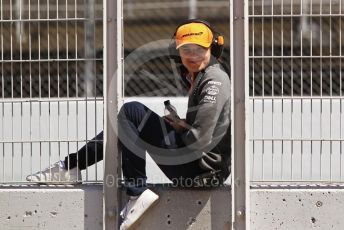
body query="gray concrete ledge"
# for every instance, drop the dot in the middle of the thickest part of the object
(80, 207)
(67, 207)
(51, 207)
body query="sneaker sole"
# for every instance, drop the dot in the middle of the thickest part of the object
(135, 224)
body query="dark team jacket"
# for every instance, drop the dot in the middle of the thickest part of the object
(208, 117)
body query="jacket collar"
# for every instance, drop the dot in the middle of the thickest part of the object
(212, 61)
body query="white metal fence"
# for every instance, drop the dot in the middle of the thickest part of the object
(296, 90)
(51, 73)
(50, 83)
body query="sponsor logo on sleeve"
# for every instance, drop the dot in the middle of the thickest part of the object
(212, 90)
(210, 99)
(214, 83)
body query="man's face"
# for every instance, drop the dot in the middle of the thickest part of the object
(194, 57)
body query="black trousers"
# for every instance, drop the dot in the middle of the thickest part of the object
(141, 130)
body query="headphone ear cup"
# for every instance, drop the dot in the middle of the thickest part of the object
(173, 52)
(217, 48)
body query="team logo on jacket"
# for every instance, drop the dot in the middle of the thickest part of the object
(212, 90)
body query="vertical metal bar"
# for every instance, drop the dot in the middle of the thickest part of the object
(321, 135)
(292, 85)
(94, 63)
(192, 9)
(272, 86)
(301, 93)
(67, 79)
(321, 86)
(292, 140)
(39, 83)
(21, 86)
(253, 86)
(331, 153)
(240, 156)
(262, 133)
(282, 143)
(58, 83)
(89, 54)
(341, 137)
(49, 84)
(311, 137)
(302, 22)
(282, 84)
(301, 153)
(76, 83)
(340, 85)
(311, 84)
(301, 87)
(90, 50)
(331, 88)
(12, 88)
(3, 92)
(253, 141)
(272, 142)
(113, 74)
(263, 89)
(321, 49)
(30, 72)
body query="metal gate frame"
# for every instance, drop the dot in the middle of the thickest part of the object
(113, 73)
(240, 91)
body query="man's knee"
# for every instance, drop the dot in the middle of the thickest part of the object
(131, 106)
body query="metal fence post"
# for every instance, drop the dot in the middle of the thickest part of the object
(240, 156)
(113, 71)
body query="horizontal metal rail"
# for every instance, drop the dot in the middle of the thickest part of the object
(48, 60)
(296, 139)
(45, 99)
(50, 20)
(294, 15)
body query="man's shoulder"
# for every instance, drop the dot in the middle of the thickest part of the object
(215, 73)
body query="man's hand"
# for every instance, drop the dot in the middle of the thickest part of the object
(179, 125)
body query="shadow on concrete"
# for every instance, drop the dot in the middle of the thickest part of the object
(192, 208)
(93, 208)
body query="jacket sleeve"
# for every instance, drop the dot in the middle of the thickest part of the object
(213, 94)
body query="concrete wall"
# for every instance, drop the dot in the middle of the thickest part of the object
(80, 207)
(297, 209)
(51, 207)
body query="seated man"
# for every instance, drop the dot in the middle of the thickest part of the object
(184, 149)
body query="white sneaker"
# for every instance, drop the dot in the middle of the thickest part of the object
(136, 207)
(56, 173)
